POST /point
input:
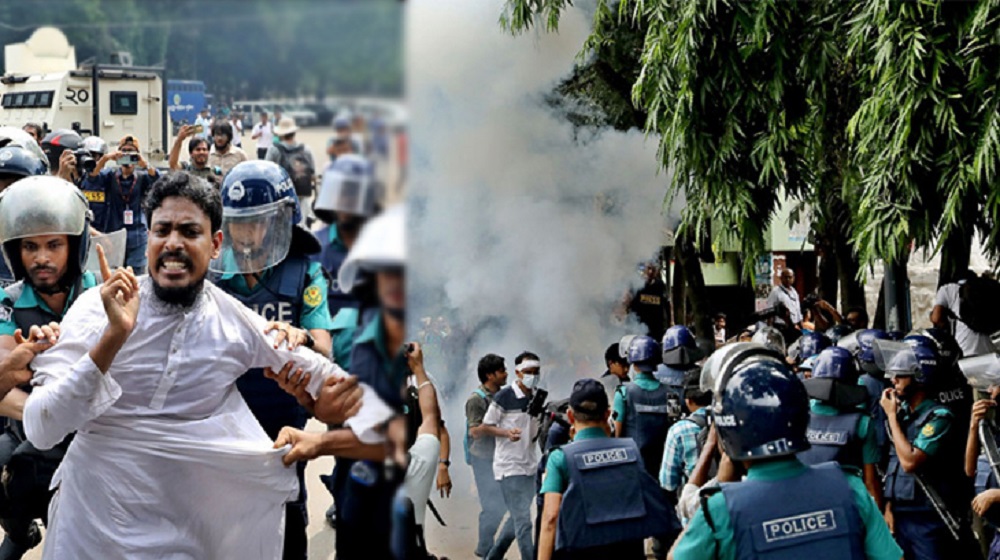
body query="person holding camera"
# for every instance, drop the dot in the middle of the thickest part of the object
(517, 454)
(120, 192)
(198, 150)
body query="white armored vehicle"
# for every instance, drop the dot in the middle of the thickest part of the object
(44, 85)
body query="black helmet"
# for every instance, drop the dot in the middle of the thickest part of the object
(761, 410)
(58, 141)
(20, 162)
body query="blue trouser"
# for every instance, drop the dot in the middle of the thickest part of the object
(493, 510)
(923, 536)
(994, 553)
(518, 494)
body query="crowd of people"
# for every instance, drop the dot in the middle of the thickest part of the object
(806, 435)
(158, 408)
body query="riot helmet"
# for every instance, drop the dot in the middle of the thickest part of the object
(837, 332)
(770, 337)
(679, 347)
(901, 359)
(811, 344)
(866, 350)
(644, 353)
(381, 245)
(624, 344)
(722, 360)
(17, 162)
(260, 217)
(948, 349)
(44, 205)
(761, 410)
(11, 136)
(835, 379)
(349, 187)
(58, 141)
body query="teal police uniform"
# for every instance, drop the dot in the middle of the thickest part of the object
(702, 542)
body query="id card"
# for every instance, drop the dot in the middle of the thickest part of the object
(128, 217)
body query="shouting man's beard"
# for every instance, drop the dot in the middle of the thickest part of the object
(183, 296)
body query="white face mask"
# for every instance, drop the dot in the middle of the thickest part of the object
(529, 381)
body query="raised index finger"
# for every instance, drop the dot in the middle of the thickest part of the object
(103, 260)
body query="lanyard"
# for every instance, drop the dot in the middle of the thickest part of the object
(126, 197)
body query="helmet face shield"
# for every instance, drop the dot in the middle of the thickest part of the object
(255, 239)
(339, 193)
(896, 359)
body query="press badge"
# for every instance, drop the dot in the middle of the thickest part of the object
(128, 217)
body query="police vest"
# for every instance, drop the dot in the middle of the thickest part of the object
(816, 517)
(647, 420)
(942, 471)
(833, 438)
(279, 299)
(24, 319)
(331, 258)
(610, 497)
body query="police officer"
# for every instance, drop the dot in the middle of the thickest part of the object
(44, 225)
(16, 163)
(950, 387)
(680, 353)
(264, 263)
(641, 409)
(348, 197)
(599, 500)
(862, 345)
(926, 489)
(361, 489)
(978, 465)
(783, 509)
(839, 428)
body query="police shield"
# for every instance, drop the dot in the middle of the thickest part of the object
(255, 239)
(114, 250)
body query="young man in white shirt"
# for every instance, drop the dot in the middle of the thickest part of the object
(263, 133)
(517, 452)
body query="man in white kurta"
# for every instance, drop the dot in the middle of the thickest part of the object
(168, 461)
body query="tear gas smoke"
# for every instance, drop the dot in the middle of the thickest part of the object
(520, 237)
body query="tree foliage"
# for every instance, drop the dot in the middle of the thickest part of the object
(881, 115)
(239, 48)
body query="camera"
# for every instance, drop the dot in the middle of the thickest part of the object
(810, 300)
(128, 159)
(84, 161)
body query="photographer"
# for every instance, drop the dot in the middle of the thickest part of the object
(198, 150)
(115, 196)
(818, 314)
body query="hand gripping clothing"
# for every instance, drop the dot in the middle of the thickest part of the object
(168, 460)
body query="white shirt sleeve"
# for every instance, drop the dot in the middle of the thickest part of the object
(374, 412)
(493, 415)
(69, 388)
(946, 296)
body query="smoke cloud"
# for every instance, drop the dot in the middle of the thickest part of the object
(522, 237)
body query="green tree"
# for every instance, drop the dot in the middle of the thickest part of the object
(881, 115)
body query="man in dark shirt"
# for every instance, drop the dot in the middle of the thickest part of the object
(650, 303)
